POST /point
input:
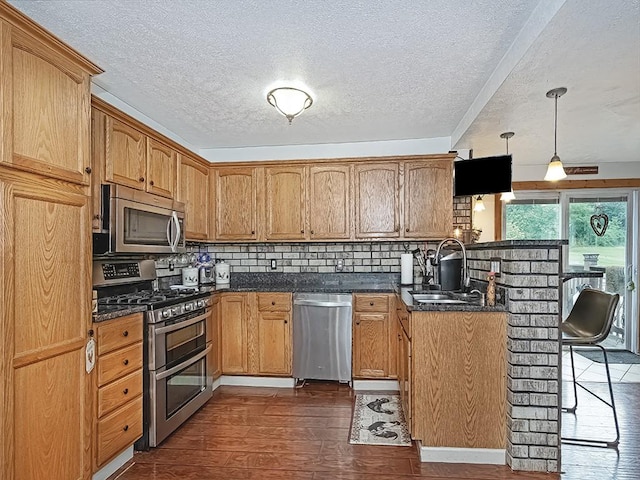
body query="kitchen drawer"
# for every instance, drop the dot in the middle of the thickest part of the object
(119, 333)
(118, 430)
(371, 303)
(119, 392)
(275, 302)
(119, 363)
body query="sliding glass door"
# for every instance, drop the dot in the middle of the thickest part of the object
(602, 229)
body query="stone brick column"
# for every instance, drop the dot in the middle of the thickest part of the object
(529, 288)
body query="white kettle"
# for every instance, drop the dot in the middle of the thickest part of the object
(222, 273)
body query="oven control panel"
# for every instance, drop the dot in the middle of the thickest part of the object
(116, 271)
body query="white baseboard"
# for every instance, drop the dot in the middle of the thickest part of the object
(111, 467)
(241, 380)
(216, 384)
(376, 385)
(488, 456)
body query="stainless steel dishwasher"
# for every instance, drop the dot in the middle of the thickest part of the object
(322, 336)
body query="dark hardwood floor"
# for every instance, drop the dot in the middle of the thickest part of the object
(266, 433)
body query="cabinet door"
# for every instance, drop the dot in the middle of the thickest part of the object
(329, 203)
(126, 155)
(215, 327)
(274, 343)
(285, 203)
(161, 169)
(193, 191)
(233, 311)
(236, 203)
(428, 199)
(377, 212)
(45, 271)
(45, 105)
(370, 345)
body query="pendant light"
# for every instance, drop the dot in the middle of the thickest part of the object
(555, 170)
(479, 206)
(507, 196)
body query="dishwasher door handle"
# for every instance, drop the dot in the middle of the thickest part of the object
(313, 303)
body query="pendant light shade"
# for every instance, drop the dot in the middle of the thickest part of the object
(479, 206)
(289, 101)
(507, 196)
(555, 170)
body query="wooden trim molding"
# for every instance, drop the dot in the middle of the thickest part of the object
(573, 184)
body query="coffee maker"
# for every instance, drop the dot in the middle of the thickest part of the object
(206, 272)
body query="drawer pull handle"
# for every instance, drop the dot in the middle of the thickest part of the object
(126, 332)
(371, 303)
(273, 303)
(357, 322)
(88, 169)
(285, 321)
(126, 361)
(125, 391)
(126, 427)
(151, 183)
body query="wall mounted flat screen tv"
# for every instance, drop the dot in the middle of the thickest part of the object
(482, 176)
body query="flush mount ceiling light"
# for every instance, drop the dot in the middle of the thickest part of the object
(479, 206)
(555, 170)
(289, 101)
(507, 196)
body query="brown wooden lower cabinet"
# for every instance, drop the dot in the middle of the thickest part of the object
(454, 375)
(119, 386)
(374, 344)
(256, 333)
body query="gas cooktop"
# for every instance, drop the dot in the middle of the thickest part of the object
(154, 298)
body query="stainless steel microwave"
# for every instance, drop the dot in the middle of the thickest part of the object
(133, 221)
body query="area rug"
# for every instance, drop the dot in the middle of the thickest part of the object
(614, 356)
(378, 420)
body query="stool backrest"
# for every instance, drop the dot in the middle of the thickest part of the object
(593, 313)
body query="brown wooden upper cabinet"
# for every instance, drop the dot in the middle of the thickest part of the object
(428, 199)
(46, 103)
(193, 191)
(285, 203)
(377, 209)
(137, 161)
(236, 203)
(329, 204)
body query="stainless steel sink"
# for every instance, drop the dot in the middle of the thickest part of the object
(429, 296)
(441, 301)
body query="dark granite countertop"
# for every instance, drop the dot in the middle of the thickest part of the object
(110, 312)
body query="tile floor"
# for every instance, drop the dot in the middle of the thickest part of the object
(589, 371)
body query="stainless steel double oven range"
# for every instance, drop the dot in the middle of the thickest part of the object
(177, 341)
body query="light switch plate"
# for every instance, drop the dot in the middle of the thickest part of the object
(495, 265)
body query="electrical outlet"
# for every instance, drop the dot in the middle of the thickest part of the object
(274, 264)
(339, 265)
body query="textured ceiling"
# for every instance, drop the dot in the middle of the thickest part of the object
(378, 69)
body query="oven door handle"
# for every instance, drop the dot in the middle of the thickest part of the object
(183, 365)
(177, 326)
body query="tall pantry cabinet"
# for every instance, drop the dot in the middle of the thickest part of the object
(45, 254)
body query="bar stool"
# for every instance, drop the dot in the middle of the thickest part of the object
(588, 324)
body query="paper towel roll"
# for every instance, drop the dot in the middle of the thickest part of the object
(406, 269)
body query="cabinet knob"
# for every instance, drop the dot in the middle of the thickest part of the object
(97, 216)
(357, 322)
(88, 169)
(125, 428)
(312, 232)
(151, 183)
(301, 231)
(125, 391)
(286, 321)
(90, 332)
(126, 332)
(371, 303)
(273, 303)
(141, 179)
(126, 361)
(406, 229)
(253, 232)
